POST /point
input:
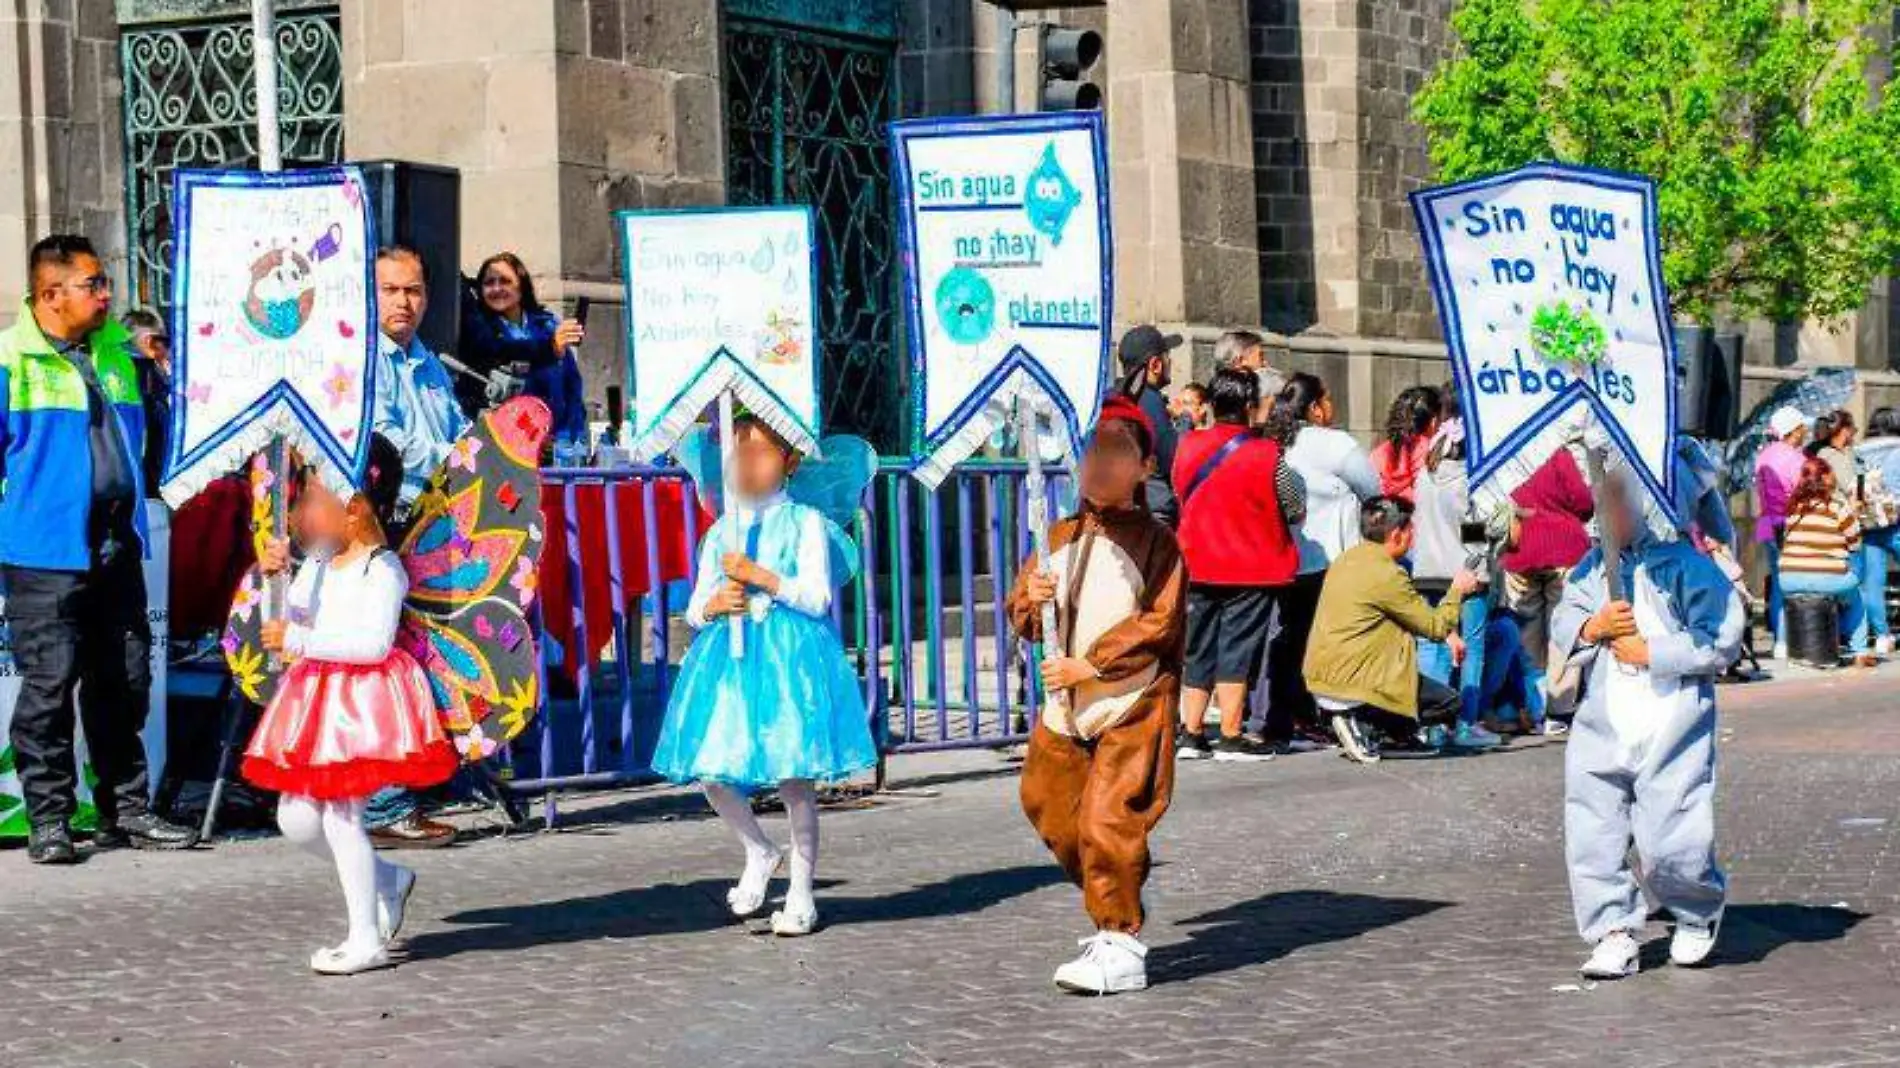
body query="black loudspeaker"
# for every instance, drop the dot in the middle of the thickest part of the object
(420, 206)
(1694, 348)
(1708, 382)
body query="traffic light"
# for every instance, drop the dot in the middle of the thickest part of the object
(1066, 55)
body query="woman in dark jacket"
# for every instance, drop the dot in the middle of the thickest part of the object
(505, 327)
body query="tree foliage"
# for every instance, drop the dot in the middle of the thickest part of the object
(1776, 156)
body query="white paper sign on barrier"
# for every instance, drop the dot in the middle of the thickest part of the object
(1549, 287)
(13, 821)
(1008, 293)
(721, 299)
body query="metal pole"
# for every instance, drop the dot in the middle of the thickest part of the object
(1005, 60)
(1038, 517)
(270, 155)
(735, 625)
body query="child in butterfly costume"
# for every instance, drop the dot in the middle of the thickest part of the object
(1100, 769)
(789, 711)
(354, 713)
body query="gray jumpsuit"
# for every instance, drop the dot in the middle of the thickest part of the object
(1640, 766)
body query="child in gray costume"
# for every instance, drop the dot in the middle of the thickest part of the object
(1640, 768)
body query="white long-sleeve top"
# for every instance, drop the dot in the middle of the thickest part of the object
(792, 544)
(346, 614)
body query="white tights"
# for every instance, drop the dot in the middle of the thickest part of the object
(801, 809)
(334, 831)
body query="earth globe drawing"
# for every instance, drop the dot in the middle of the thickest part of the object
(966, 306)
(282, 294)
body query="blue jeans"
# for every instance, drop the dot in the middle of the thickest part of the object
(1496, 663)
(1844, 588)
(1878, 549)
(387, 806)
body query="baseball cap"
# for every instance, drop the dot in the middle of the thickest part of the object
(1143, 342)
(1785, 421)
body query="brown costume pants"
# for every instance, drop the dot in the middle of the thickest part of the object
(1094, 803)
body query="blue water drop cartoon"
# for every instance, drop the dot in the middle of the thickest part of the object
(966, 306)
(1051, 197)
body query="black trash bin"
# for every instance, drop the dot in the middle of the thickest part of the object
(1814, 630)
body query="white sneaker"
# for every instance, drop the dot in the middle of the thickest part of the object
(1555, 728)
(1111, 963)
(1616, 957)
(1356, 742)
(392, 902)
(1884, 645)
(748, 897)
(1781, 651)
(1692, 944)
(348, 960)
(795, 923)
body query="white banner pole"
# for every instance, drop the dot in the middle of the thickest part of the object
(270, 156)
(1038, 517)
(735, 625)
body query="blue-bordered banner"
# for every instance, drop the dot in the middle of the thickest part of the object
(721, 299)
(1549, 286)
(1005, 227)
(273, 323)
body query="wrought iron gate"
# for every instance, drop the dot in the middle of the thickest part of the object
(190, 102)
(806, 111)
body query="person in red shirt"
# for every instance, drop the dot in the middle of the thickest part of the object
(1554, 506)
(1409, 429)
(1238, 504)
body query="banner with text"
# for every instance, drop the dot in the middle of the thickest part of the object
(721, 299)
(1005, 224)
(274, 323)
(1549, 287)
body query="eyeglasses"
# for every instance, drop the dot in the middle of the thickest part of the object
(98, 285)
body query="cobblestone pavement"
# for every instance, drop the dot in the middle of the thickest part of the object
(1307, 912)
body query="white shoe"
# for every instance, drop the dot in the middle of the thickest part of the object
(1616, 957)
(1355, 741)
(392, 903)
(1692, 944)
(790, 923)
(1884, 645)
(746, 899)
(1555, 728)
(1111, 963)
(345, 960)
(1781, 651)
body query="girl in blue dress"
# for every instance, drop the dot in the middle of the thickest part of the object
(789, 712)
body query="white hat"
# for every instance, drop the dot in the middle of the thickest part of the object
(1786, 421)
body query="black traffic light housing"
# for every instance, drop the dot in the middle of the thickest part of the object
(1067, 54)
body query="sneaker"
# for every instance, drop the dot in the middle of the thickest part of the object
(1433, 738)
(144, 831)
(1884, 645)
(1111, 963)
(1616, 957)
(1242, 750)
(1190, 746)
(1472, 736)
(1555, 728)
(1353, 737)
(51, 843)
(1781, 651)
(1692, 943)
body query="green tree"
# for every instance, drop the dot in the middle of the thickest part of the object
(1776, 157)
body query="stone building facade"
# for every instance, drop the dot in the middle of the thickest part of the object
(1261, 150)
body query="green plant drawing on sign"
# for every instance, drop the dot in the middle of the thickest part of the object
(1567, 337)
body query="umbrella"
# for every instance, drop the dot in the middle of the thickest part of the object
(1824, 391)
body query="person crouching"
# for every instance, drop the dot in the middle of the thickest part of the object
(1100, 769)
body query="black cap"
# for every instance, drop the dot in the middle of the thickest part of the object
(1144, 342)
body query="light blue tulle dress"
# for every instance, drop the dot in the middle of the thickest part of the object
(791, 707)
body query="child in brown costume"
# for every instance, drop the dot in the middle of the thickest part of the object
(1100, 769)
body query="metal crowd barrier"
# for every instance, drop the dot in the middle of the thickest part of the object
(924, 621)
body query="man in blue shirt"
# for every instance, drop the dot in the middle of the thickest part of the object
(416, 410)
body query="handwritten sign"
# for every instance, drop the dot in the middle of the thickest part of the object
(1006, 238)
(274, 323)
(721, 299)
(1549, 287)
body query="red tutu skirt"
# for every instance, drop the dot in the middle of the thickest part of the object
(340, 731)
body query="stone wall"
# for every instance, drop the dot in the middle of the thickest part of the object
(61, 160)
(1400, 41)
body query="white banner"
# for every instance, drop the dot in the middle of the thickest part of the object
(274, 323)
(721, 299)
(1549, 287)
(13, 821)
(1006, 237)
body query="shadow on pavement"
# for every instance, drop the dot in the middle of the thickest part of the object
(955, 896)
(1751, 932)
(1273, 925)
